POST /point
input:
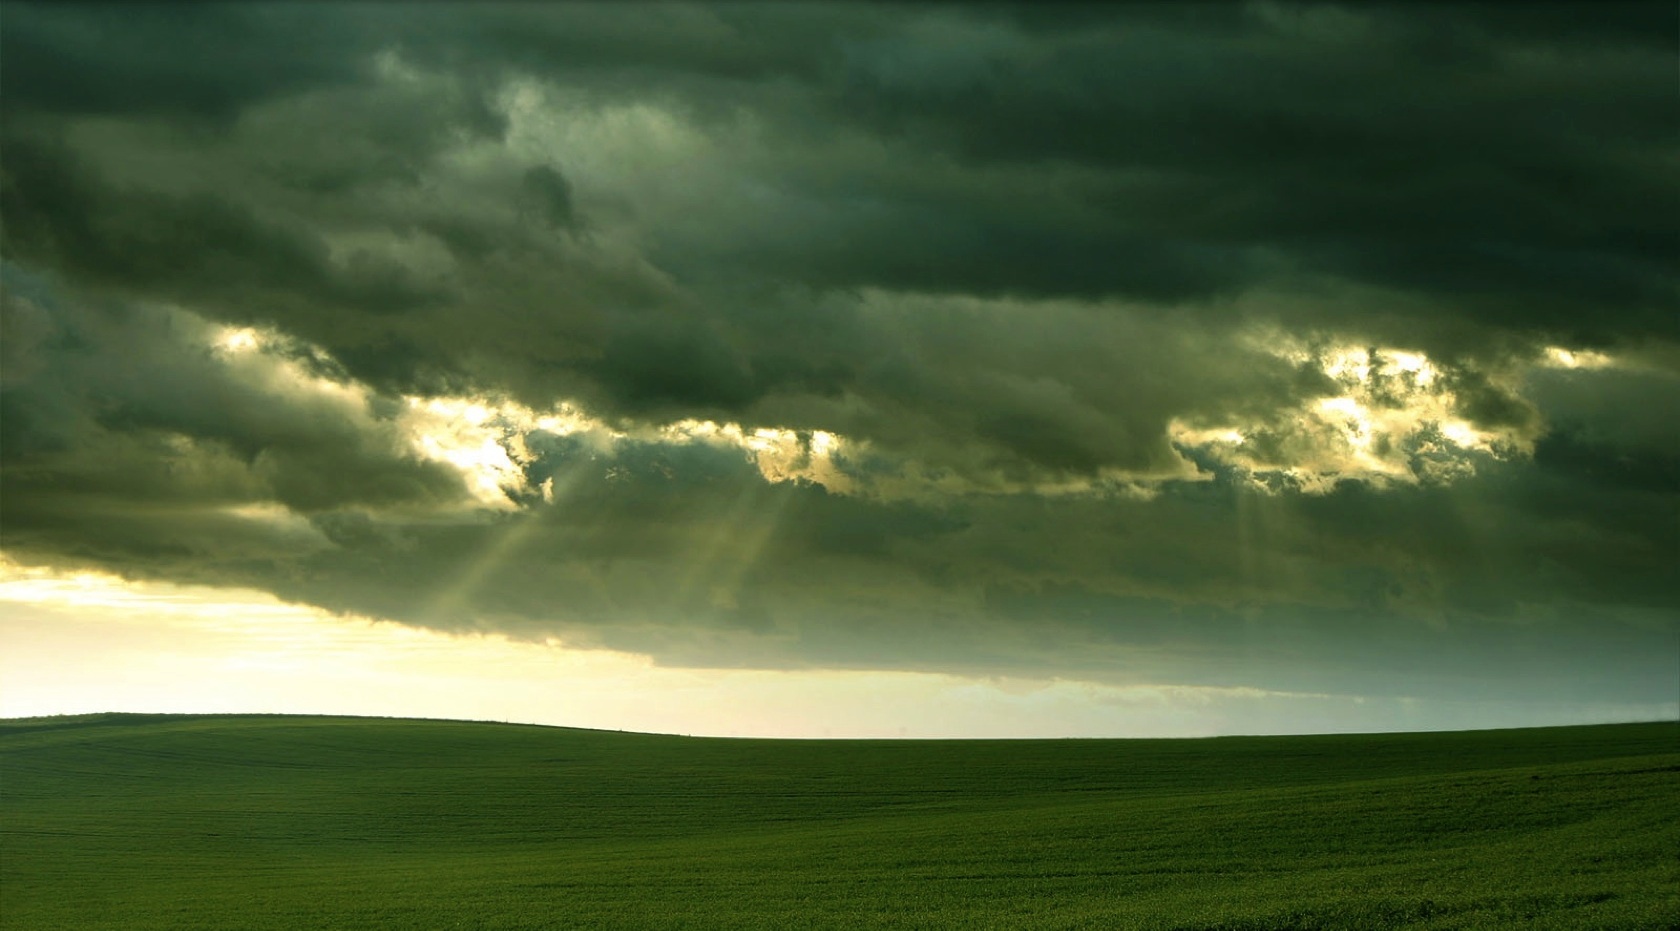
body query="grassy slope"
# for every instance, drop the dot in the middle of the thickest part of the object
(137, 822)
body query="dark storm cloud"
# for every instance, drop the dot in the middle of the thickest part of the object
(196, 248)
(1510, 165)
(192, 59)
(1008, 254)
(1516, 175)
(125, 438)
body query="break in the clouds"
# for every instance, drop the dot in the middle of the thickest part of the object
(1286, 346)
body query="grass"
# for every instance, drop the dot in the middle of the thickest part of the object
(138, 822)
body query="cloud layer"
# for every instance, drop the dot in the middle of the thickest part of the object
(1302, 347)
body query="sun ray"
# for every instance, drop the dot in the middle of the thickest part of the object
(732, 546)
(451, 605)
(454, 600)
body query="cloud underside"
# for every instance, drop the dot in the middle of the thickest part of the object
(1288, 346)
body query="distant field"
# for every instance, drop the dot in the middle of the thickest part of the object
(137, 822)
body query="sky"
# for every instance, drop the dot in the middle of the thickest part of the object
(843, 369)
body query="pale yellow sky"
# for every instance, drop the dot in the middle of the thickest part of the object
(79, 643)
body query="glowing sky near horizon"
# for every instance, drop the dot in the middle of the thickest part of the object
(87, 643)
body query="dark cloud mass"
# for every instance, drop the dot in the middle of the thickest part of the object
(1325, 347)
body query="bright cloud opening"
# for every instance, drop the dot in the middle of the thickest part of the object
(1396, 419)
(1559, 357)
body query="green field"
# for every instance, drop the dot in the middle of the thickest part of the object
(150, 821)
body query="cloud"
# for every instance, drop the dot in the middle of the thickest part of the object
(224, 457)
(130, 429)
(1107, 340)
(171, 59)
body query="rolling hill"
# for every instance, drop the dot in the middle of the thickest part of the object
(138, 822)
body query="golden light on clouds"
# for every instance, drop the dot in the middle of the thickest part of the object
(475, 438)
(1395, 418)
(237, 339)
(487, 440)
(1559, 357)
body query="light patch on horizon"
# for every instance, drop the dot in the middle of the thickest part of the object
(85, 642)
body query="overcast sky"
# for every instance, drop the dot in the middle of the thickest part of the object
(1258, 349)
